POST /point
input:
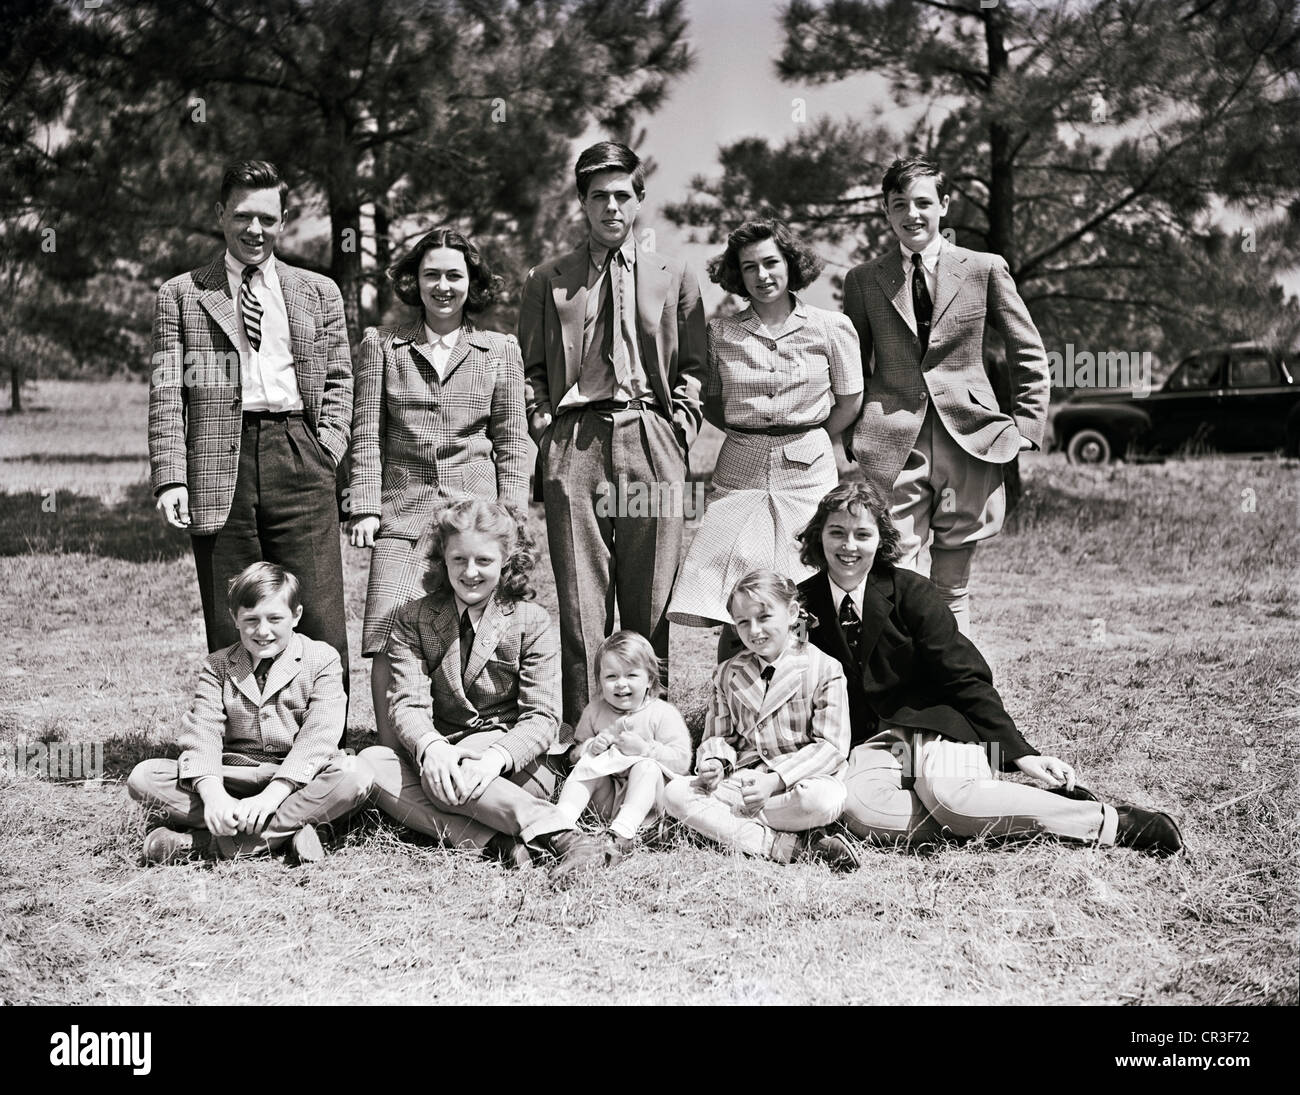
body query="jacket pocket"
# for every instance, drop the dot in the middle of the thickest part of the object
(985, 398)
(806, 450)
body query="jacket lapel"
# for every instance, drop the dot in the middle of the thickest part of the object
(285, 668)
(302, 326)
(877, 605)
(948, 277)
(569, 291)
(414, 336)
(889, 273)
(241, 672)
(485, 640)
(214, 297)
(468, 342)
(652, 281)
(446, 626)
(790, 667)
(821, 604)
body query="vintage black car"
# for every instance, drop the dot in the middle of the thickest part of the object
(1239, 398)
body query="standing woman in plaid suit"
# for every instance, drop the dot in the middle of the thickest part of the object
(438, 415)
(784, 382)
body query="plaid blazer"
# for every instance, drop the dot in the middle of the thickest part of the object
(297, 722)
(670, 333)
(972, 289)
(195, 387)
(511, 683)
(418, 440)
(797, 727)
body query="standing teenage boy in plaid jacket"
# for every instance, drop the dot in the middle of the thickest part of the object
(250, 412)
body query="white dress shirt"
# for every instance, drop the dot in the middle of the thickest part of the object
(441, 348)
(929, 264)
(267, 375)
(838, 595)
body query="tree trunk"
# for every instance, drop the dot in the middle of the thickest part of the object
(1002, 217)
(383, 256)
(15, 388)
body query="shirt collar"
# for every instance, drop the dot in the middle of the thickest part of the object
(929, 257)
(838, 595)
(475, 611)
(599, 254)
(448, 342)
(236, 268)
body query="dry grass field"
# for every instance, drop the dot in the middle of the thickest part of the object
(1142, 621)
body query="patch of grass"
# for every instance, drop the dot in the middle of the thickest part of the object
(1140, 622)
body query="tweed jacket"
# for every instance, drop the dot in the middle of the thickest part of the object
(297, 723)
(972, 289)
(195, 387)
(918, 671)
(797, 727)
(670, 333)
(418, 440)
(511, 683)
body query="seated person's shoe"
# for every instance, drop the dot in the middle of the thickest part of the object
(618, 848)
(510, 851)
(576, 852)
(832, 848)
(1148, 831)
(1079, 793)
(163, 845)
(306, 845)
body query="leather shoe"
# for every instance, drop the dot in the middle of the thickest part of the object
(618, 848)
(510, 851)
(833, 850)
(306, 845)
(576, 852)
(163, 845)
(1147, 831)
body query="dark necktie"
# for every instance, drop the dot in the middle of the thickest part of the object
(614, 324)
(466, 640)
(260, 671)
(851, 625)
(922, 305)
(252, 309)
(769, 671)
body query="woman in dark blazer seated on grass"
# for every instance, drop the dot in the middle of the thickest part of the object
(928, 727)
(438, 414)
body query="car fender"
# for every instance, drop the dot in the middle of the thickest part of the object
(1119, 423)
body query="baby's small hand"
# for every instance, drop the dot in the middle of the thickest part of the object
(709, 775)
(632, 743)
(600, 743)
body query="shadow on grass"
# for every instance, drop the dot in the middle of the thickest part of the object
(64, 523)
(76, 458)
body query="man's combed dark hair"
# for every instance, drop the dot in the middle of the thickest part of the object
(405, 272)
(852, 497)
(609, 156)
(258, 582)
(489, 518)
(804, 263)
(902, 172)
(252, 175)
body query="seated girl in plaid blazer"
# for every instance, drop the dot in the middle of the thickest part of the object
(628, 741)
(775, 738)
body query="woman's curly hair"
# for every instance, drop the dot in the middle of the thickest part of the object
(489, 518)
(405, 272)
(853, 497)
(804, 264)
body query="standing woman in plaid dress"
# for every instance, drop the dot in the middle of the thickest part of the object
(784, 382)
(438, 415)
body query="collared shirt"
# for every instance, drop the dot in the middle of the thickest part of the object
(856, 595)
(929, 263)
(441, 348)
(267, 375)
(597, 381)
(475, 611)
(786, 377)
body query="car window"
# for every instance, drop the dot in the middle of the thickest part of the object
(1253, 371)
(1197, 373)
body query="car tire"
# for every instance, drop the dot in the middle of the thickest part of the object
(1088, 447)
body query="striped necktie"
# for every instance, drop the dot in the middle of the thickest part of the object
(922, 305)
(252, 309)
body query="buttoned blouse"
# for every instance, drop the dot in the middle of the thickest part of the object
(787, 377)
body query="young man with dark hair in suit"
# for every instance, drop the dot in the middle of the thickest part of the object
(250, 412)
(932, 436)
(613, 347)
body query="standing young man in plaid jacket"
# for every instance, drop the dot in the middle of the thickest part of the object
(250, 411)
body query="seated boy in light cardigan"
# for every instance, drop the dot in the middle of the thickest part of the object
(260, 765)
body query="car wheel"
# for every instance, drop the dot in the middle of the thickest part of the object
(1088, 447)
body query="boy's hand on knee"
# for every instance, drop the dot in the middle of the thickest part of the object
(220, 809)
(254, 812)
(478, 772)
(709, 775)
(1048, 770)
(440, 772)
(756, 789)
